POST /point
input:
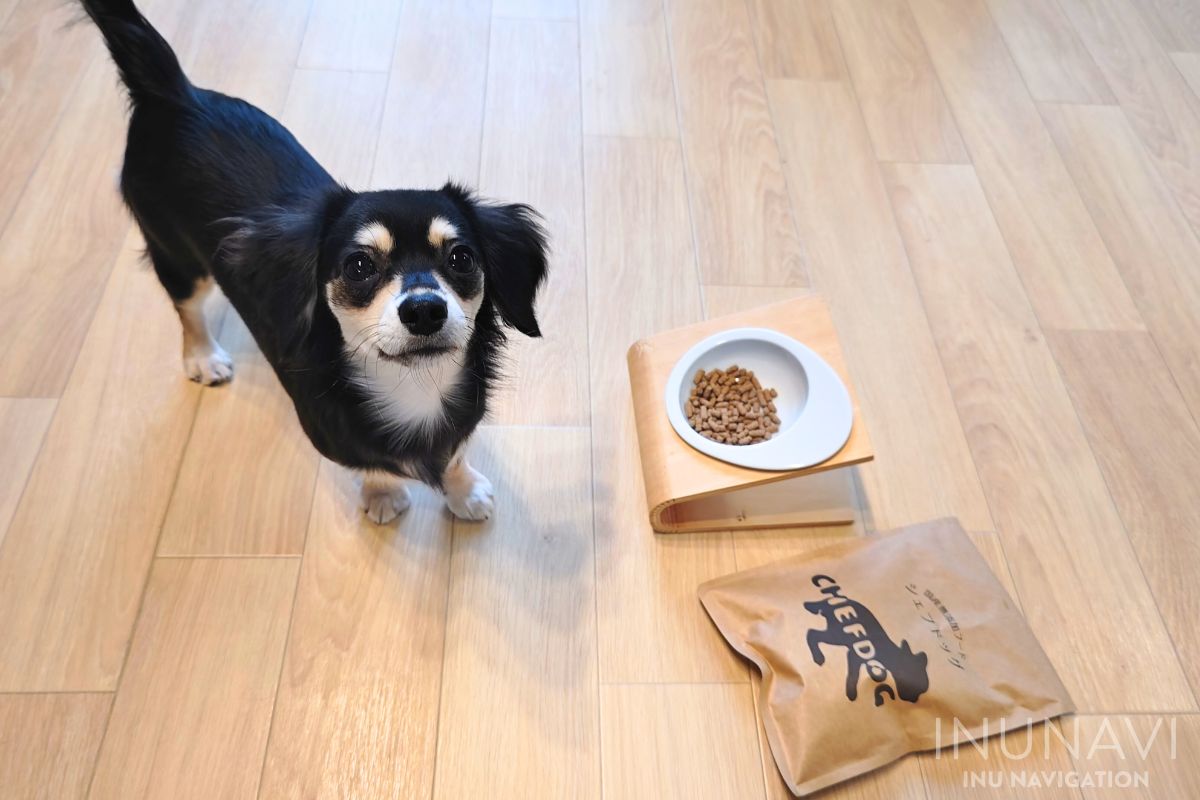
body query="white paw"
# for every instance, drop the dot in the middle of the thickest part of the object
(208, 365)
(473, 499)
(382, 506)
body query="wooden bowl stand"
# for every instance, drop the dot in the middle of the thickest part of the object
(688, 491)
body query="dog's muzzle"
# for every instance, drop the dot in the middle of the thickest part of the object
(423, 314)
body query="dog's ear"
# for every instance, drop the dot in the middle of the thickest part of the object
(278, 248)
(514, 255)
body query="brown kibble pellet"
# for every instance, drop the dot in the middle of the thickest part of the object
(731, 406)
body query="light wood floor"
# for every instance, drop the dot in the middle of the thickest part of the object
(1000, 200)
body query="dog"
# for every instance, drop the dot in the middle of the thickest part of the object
(382, 313)
(851, 625)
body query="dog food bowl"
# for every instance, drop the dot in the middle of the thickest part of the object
(813, 406)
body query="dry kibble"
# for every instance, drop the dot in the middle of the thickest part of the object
(731, 406)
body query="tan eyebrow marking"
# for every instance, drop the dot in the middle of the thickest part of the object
(375, 235)
(441, 230)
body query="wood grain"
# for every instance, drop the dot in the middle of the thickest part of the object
(354, 35)
(23, 424)
(649, 732)
(1170, 744)
(48, 743)
(901, 100)
(74, 562)
(1154, 96)
(645, 584)
(357, 710)
(1148, 447)
(532, 155)
(40, 63)
(430, 80)
(1176, 23)
(260, 508)
(1067, 273)
(1042, 481)
(1151, 241)
(536, 9)
(336, 116)
(1057, 68)
(628, 89)
(741, 219)
(1188, 65)
(796, 39)
(60, 242)
(246, 48)
(922, 468)
(520, 627)
(194, 707)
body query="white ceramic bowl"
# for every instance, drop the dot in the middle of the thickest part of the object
(813, 405)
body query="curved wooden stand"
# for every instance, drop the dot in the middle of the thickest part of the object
(688, 491)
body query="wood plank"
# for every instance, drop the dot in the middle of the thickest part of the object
(264, 504)
(646, 584)
(23, 424)
(628, 89)
(1057, 68)
(192, 714)
(261, 507)
(742, 220)
(521, 625)
(1068, 274)
(357, 709)
(536, 9)
(1155, 97)
(1161, 749)
(61, 240)
(245, 48)
(430, 79)
(693, 741)
(1175, 23)
(41, 60)
(357, 35)
(922, 469)
(1066, 546)
(48, 743)
(353, 103)
(796, 39)
(901, 100)
(1148, 447)
(74, 562)
(1147, 234)
(1188, 65)
(531, 154)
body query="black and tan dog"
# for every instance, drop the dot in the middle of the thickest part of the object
(380, 311)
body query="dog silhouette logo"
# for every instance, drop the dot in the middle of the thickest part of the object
(850, 624)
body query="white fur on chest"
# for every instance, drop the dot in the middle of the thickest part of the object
(409, 397)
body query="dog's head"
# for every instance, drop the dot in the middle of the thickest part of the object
(405, 273)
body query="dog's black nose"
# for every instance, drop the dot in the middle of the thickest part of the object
(423, 314)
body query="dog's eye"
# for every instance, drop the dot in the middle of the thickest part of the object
(358, 267)
(462, 259)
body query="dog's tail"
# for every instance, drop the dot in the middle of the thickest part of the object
(146, 62)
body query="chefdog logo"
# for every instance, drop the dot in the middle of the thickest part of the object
(853, 626)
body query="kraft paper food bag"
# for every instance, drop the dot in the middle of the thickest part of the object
(863, 646)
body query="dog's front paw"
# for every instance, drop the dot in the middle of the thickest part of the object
(471, 497)
(208, 365)
(384, 505)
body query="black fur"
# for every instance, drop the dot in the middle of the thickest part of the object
(220, 188)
